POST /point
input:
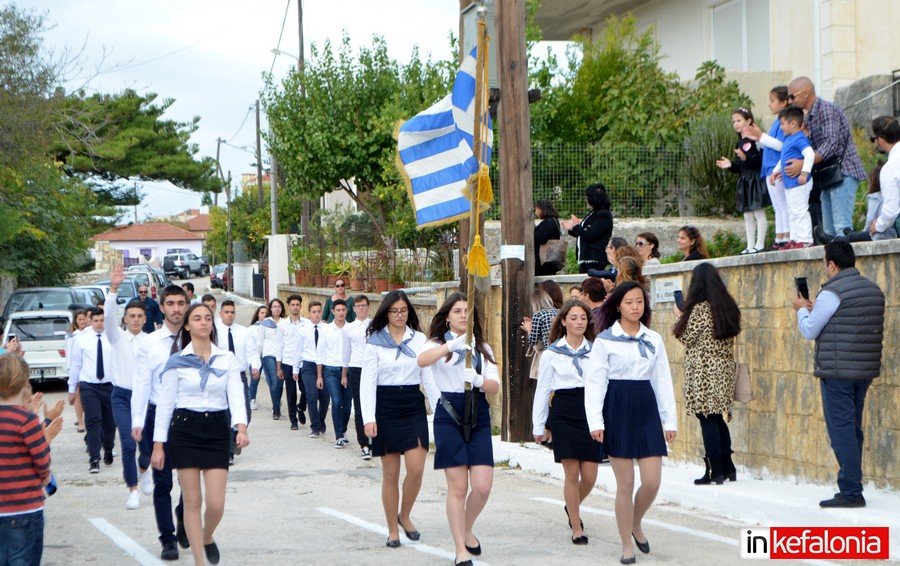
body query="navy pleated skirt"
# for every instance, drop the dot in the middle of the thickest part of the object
(631, 417)
(401, 418)
(200, 439)
(568, 424)
(450, 448)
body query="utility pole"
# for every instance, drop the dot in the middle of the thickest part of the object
(517, 234)
(301, 67)
(259, 177)
(226, 185)
(273, 186)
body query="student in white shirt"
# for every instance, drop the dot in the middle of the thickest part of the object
(238, 340)
(394, 409)
(630, 406)
(316, 400)
(91, 374)
(201, 398)
(464, 462)
(357, 331)
(565, 365)
(332, 358)
(80, 321)
(290, 330)
(270, 351)
(255, 326)
(125, 345)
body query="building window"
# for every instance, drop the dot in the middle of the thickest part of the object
(740, 35)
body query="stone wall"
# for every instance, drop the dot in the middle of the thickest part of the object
(866, 99)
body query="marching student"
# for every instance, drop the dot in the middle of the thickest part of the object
(288, 366)
(151, 361)
(332, 358)
(261, 314)
(238, 340)
(79, 323)
(564, 367)
(630, 406)
(91, 374)
(201, 398)
(316, 400)
(270, 351)
(357, 332)
(464, 462)
(125, 345)
(394, 409)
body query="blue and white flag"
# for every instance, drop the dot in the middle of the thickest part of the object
(435, 149)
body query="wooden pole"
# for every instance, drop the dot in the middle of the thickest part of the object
(462, 232)
(259, 173)
(516, 226)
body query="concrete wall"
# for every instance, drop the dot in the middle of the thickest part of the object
(243, 277)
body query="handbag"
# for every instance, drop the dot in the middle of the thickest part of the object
(554, 252)
(534, 352)
(827, 173)
(743, 390)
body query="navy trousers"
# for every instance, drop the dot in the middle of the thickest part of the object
(843, 401)
(98, 417)
(162, 483)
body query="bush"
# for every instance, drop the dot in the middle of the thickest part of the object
(709, 138)
(725, 243)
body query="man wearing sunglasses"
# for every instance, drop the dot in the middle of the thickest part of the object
(154, 314)
(829, 133)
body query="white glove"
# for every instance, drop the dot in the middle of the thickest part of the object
(472, 376)
(458, 343)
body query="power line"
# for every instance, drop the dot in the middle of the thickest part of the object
(241, 127)
(280, 34)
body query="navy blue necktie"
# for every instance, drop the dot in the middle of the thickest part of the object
(316, 327)
(230, 341)
(100, 372)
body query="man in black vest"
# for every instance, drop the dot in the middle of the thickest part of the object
(847, 323)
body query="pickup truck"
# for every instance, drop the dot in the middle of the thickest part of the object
(184, 265)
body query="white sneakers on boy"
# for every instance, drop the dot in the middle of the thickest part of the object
(134, 500)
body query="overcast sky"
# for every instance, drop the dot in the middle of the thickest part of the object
(209, 55)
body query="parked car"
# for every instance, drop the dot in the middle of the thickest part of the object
(90, 294)
(185, 265)
(146, 275)
(42, 335)
(205, 261)
(127, 290)
(218, 277)
(42, 298)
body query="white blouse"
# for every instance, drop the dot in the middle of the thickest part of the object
(623, 360)
(557, 371)
(381, 366)
(448, 376)
(269, 340)
(357, 332)
(180, 389)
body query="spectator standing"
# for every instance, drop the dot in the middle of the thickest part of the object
(647, 245)
(708, 327)
(537, 326)
(547, 229)
(847, 322)
(593, 232)
(151, 307)
(340, 292)
(691, 244)
(594, 295)
(829, 132)
(797, 189)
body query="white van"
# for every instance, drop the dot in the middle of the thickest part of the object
(42, 335)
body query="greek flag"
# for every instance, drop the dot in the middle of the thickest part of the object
(435, 150)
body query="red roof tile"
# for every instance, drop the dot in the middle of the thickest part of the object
(199, 223)
(149, 231)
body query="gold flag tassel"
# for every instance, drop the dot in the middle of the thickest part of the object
(477, 261)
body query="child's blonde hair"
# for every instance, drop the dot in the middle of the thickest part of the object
(13, 375)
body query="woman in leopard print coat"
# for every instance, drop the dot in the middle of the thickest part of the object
(707, 328)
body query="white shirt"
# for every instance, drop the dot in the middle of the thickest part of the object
(890, 191)
(289, 337)
(381, 366)
(357, 332)
(269, 340)
(83, 366)
(623, 360)
(69, 339)
(180, 389)
(334, 346)
(448, 376)
(151, 360)
(557, 371)
(125, 345)
(307, 346)
(244, 344)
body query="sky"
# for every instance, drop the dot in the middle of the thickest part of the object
(210, 55)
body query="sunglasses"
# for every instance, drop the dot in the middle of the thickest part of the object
(641, 244)
(339, 285)
(873, 138)
(791, 97)
(142, 292)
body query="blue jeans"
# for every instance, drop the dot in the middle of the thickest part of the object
(98, 417)
(276, 386)
(341, 399)
(837, 206)
(316, 400)
(22, 538)
(254, 385)
(162, 482)
(843, 401)
(121, 407)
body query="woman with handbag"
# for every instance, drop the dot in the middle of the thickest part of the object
(708, 326)
(547, 240)
(538, 325)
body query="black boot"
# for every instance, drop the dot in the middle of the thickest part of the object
(704, 479)
(715, 474)
(728, 469)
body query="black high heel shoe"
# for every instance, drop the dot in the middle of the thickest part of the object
(629, 560)
(566, 509)
(411, 535)
(642, 546)
(393, 543)
(474, 550)
(465, 563)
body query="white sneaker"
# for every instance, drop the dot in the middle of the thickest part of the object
(344, 442)
(146, 482)
(134, 500)
(253, 404)
(314, 434)
(338, 443)
(365, 453)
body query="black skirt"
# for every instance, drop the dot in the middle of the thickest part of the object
(199, 440)
(450, 448)
(631, 417)
(752, 192)
(568, 423)
(401, 419)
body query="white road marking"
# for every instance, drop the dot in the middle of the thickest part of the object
(384, 532)
(126, 543)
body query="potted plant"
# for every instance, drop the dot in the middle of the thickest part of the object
(336, 269)
(301, 258)
(397, 275)
(316, 264)
(358, 269)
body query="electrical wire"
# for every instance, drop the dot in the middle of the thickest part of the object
(280, 35)
(241, 127)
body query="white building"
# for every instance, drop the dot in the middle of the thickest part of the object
(149, 240)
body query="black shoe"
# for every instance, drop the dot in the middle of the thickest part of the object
(393, 543)
(301, 416)
(822, 236)
(295, 427)
(630, 560)
(212, 552)
(231, 460)
(566, 509)
(713, 472)
(840, 500)
(276, 417)
(107, 457)
(580, 540)
(474, 550)
(642, 546)
(95, 468)
(169, 550)
(411, 535)
(465, 563)
(181, 534)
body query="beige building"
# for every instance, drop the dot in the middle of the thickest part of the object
(759, 42)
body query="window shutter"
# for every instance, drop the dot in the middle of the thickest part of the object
(728, 38)
(758, 49)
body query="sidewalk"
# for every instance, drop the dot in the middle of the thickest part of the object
(240, 300)
(749, 501)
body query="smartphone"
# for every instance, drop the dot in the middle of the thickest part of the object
(679, 299)
(52, 486)
(802, 287)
